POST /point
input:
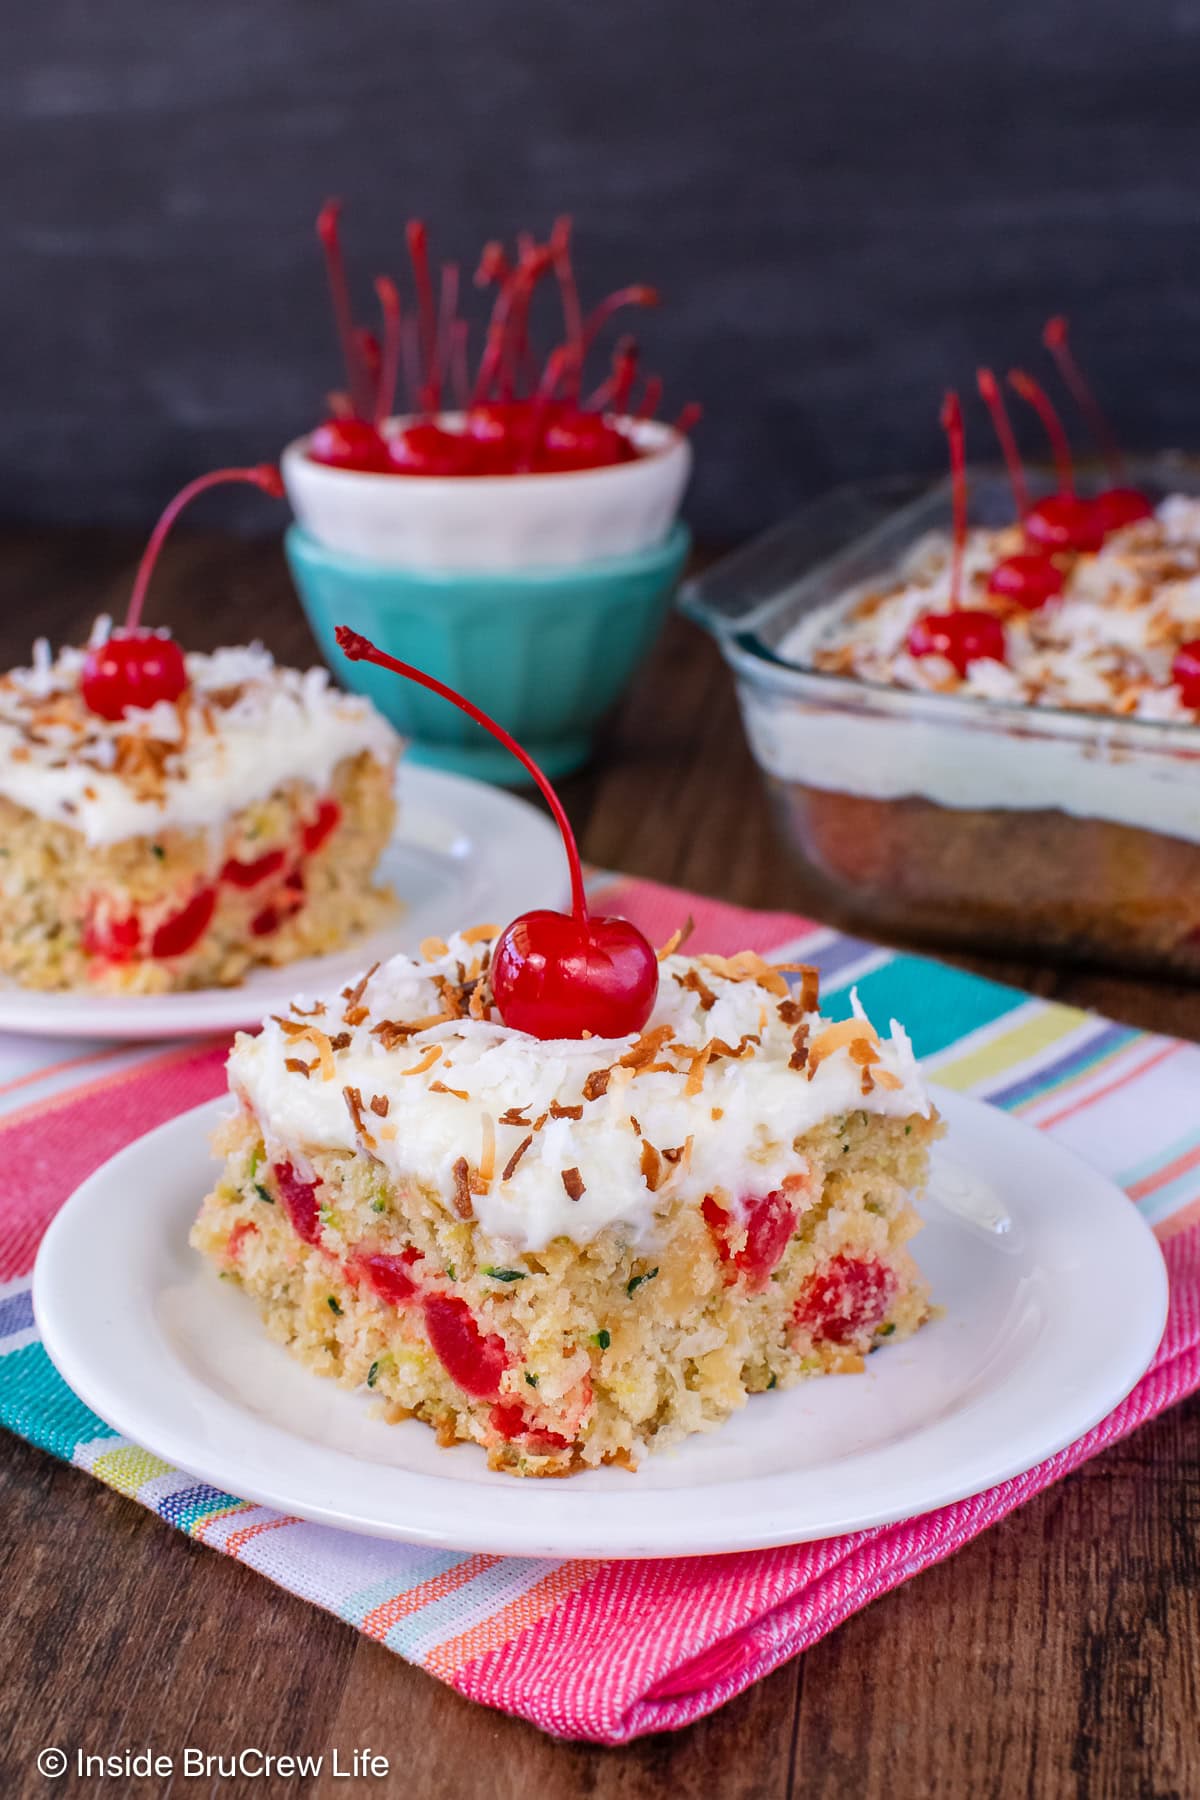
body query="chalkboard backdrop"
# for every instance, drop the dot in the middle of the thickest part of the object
(847, 205)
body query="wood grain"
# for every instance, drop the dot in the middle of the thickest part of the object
(1056, 1656)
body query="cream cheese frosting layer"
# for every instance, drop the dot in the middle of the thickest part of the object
(710, 1099)
(1105, 648)
(244, 727)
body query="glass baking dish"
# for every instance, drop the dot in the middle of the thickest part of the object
(948, 819)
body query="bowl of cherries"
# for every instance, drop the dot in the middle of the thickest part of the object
(512, 525)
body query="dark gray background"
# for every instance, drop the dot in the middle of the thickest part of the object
(847, 205)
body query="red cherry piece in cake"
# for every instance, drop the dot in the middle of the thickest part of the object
(426, 449)
(181, 931)
(325, 820)
(846, 1300)
(1185, 672)
(1027, 580)
(349, 444)
(962, 637)
(132, 669)
(1117, 507)
(300, 1202)
(474, 1359)
(508, 1421)
(250, 874)
(242, 1230)
(1064, 522)
(769, 1222)
(390, 1277)
(117, 940)
(558, 976)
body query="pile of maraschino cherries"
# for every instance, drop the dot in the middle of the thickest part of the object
(136, 668)
(553, 975)
(518, 413)
(1056, 528)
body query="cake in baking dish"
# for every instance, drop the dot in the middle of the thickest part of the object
(571, 1251)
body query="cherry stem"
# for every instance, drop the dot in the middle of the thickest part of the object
(264, 475)
(560, 249)
(388, 296)
(613, 394)
(1056, 340)
(1030, 390)
(952, 425)
(688, 419)
(993, 399)
(652, 395)
(360, 649)
(599, 316)
(418, 251)
(447, 317)
(328, 231)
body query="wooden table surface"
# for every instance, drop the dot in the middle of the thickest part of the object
(1056, 1656)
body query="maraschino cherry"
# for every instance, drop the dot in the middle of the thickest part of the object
(138, 668)
(554, 975)
(1061, 521)
(962, 635)
(1027, 578)
(1185, 672)
(1120, 504)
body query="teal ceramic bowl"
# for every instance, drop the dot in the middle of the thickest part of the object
(546, 652)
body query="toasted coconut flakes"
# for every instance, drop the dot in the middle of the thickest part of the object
(297, 1067)
(572, 1180)
(677, 938)
(480, 934)
(341, 1041)
(637, 1130)
(487, 1156)
(835, 1037)
(352, 995)
(790, 1012)
(354, 1106)
(700, 1062)
(463, 1204)
(868, 1080)
(291, 1027)
(694, 982)
(810, 983)
(434, 948)
(747, 1044)
(356, 1015)
(540, 1121)
(429, 1056)
(565, 1112)
(799, 1056)
(479, 1003)
(885, 1079)
(646, 1048)
(863, 1051)
(439, 1087)
(652, 1167)
(388, 1132)
(718, 1112)
(656, 1068)
(675, 1155)
(510, 1167)
(380, 1105)
(451, 997)
(312, 1012)
(596, 1084)
(747, 965)
(514, 1116)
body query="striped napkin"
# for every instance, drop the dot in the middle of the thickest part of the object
(609, 1650)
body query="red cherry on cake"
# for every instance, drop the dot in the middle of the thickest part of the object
(1185, 672)
(1120, 504)
(554, 975)
(137, 668)
(1027, 580)
(1064, 522)
(962, 637)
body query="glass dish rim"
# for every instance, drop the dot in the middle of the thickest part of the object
(750, 657)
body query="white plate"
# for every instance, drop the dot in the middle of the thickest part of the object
(1055, 1297)
(463, 853)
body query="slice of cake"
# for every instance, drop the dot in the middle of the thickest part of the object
(571, 1250)
(181, 843)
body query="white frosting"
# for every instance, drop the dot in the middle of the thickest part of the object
(746, 1152)
(1111, 636)
(285, 724)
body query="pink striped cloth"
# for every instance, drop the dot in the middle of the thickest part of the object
(608, 1651)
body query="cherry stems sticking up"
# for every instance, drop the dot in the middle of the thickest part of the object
(264, 475)
(328, 231)
(560, 249)
(418, 252)
(1037, 397)
(1055, 337)
(993, 399)
(389, 368)
(952, 425)
(360, 649)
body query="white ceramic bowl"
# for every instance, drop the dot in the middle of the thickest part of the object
(494, 522)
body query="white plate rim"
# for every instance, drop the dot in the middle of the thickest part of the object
(541, 1519)
(529, 870)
